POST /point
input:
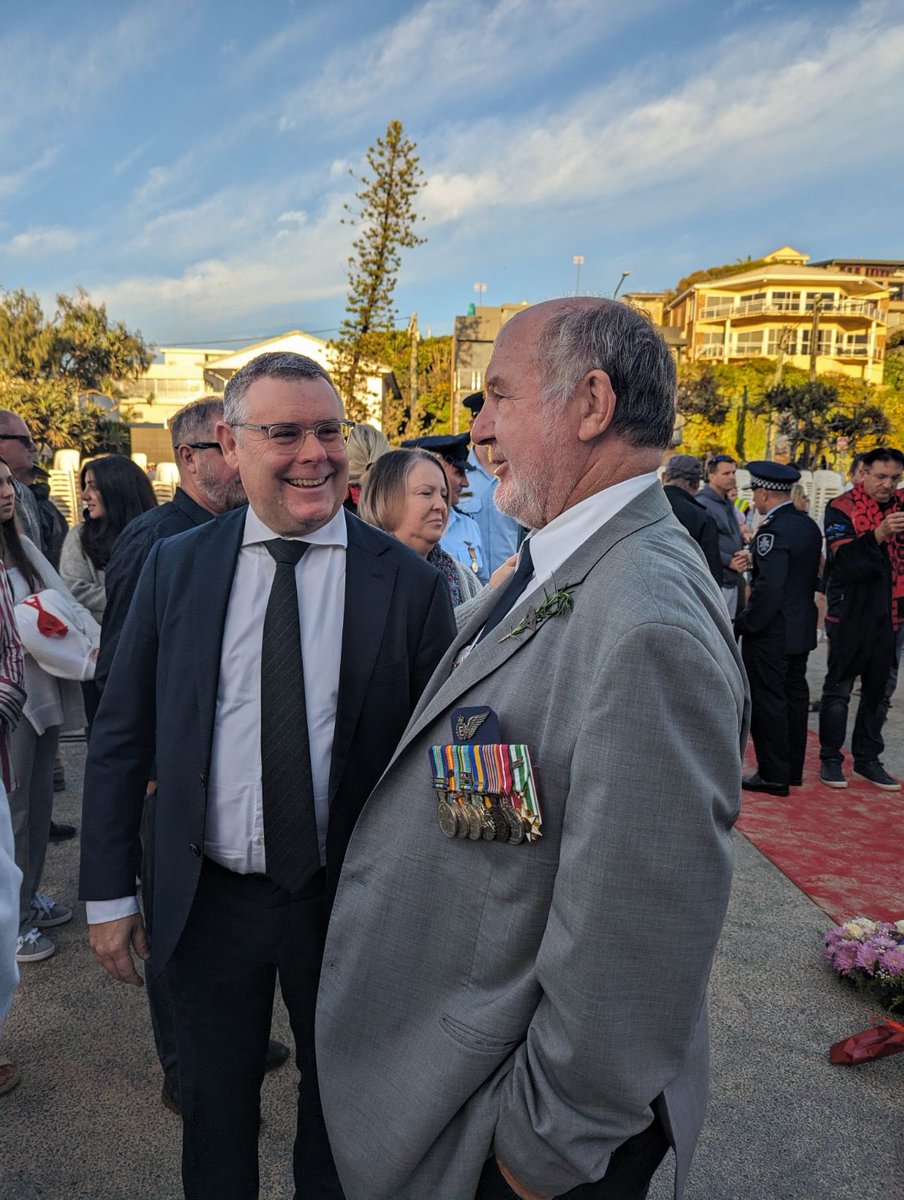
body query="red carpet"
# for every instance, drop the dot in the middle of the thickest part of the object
(843, 847)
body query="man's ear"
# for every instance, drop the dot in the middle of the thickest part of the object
(597, 405)
(185, 458)
(226, 436)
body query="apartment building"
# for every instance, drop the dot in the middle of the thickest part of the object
(784, 307)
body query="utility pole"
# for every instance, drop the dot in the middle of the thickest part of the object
(414, 337)
(814, 336)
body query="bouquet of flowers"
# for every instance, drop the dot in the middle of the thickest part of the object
(871, 955)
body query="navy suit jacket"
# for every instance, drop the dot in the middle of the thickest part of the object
(160, 704)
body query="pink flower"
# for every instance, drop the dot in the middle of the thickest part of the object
(866, 957)
(893, 961)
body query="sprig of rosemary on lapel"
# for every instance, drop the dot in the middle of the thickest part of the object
(557, 604)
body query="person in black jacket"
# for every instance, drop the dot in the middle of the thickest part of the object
(207, 488)
(864, 616)
(681, 482)
(778, 629)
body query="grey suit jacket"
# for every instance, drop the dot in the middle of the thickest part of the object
(536, 1000)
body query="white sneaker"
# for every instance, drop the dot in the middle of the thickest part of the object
(47, 912)
(33, 946)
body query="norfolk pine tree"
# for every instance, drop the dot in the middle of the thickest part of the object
(387, 219)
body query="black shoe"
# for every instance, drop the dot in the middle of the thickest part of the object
(753, 783)
(59, 780)
(797, 783)
(60, 832)
(876, 774)
(277, 1054)
(831, 773)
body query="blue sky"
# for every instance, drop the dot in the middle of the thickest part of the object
(187, 160)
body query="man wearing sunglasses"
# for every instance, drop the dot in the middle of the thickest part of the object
(270, 660)
(21, 455)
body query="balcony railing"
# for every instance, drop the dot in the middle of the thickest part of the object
(163, 389)
(717, 353)
(753, 308)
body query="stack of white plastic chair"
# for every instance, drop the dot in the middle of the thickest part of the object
(806, 482)
(826, 485)
(166, 481)
(64, 484)
(745, 491)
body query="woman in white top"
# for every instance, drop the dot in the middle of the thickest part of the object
(51, 705)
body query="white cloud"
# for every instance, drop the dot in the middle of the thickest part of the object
(291, 266)
(789, 106)
(52, 240)
(294, 217)
(455, 50)
(16, 181)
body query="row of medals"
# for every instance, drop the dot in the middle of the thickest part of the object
(465, 818)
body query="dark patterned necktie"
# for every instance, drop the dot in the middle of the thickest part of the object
(290, 827)
(510, 593)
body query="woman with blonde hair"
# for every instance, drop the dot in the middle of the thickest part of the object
(405, 493)
(365, 445)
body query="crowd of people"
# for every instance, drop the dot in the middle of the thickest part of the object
(408, 731)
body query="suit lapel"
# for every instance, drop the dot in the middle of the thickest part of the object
(449, 683)
(369, 584)
(214, 564)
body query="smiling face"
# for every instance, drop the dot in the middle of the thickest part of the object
(292, 492)
(422, 521)
(92, 498)
(7, 493)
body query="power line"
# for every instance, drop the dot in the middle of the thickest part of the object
(251, 337)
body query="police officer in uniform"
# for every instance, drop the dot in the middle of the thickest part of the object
(462, 537)
(778, 628)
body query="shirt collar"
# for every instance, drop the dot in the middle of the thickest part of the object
(333, 533)
(551, 545)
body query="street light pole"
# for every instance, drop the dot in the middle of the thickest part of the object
(578, 262)
(624, 276)
(480, 289)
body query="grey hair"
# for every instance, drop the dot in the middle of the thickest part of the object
(194, 422)
(382, 499)
(612, 337)
(283, 365)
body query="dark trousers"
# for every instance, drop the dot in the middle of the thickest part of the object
(628, 1176)
(867, 743)
(780, 702)
(243, 931)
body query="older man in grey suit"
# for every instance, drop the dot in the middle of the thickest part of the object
(513, 1017)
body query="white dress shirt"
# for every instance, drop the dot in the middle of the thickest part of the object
(557, 541)
(234, 829)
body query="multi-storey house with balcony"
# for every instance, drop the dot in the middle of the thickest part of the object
(783, 308)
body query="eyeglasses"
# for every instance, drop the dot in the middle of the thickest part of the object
(287, 436)
(720, 458)
(24, 438)
(202, 445)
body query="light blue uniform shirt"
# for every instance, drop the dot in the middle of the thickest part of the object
(463, 541)
(498, 533)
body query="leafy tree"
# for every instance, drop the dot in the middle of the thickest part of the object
(387, 219)
(699, 396)
(393, 349)
(48, 367)
(79, 344)
(812, 415)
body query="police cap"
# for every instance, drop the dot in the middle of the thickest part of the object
(453, 447)
(776, 477)
(474, 402)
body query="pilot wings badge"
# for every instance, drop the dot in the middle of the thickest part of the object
(466, 727)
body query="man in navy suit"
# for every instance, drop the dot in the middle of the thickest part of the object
(263, 762)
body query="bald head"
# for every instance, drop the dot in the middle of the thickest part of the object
(580, 394)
